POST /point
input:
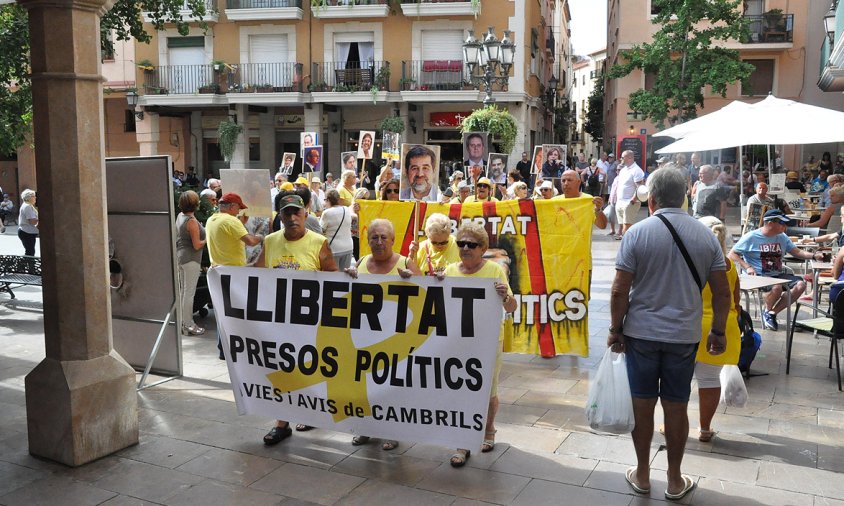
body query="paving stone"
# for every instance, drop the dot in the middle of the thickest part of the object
(212, 493)
(801, 479)
(386, 466)
(163, 451)
(592, 446)
(308, 483)
(233, 467)
(125, 500)
(379, 492)
(767, 448)
(541, 492)
(610, 477)
(474, 483)
(551, 467)
(726, 467)
(825, 501)
(13, 476)
(136, 479)
(831, 418)
(718, 491)
(518, 415)
(530, 438)
(56, 490)
(818, 434)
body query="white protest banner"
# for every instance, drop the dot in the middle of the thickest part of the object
(379, 356)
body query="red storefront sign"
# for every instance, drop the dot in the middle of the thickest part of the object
(448, 119)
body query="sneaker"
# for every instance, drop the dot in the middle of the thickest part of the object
(769, 321)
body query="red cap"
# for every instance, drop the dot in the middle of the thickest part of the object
(233, 198)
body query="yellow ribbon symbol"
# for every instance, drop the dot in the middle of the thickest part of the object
(343, 388)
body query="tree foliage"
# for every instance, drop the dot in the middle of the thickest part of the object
(125, 19)
(594, 125)
(686, 55)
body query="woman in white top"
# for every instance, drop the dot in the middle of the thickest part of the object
(336, 221)
(28, 222)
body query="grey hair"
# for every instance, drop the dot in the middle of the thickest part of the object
(347, 173)
(381, 222)
(667, 186)
(437, 223)
(27, 194)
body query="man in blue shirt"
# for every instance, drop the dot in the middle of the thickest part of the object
(760, 253)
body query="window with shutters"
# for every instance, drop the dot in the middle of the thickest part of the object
(534, 50)
(442, 59)
(268, 63)
(761, 81)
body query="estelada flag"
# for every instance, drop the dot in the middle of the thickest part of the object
(544, 245)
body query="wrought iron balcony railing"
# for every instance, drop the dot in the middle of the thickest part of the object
(770, 28)
(262, 4)
(424, 75)
(248, 77)
(350, 76)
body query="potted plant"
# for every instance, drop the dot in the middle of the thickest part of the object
(227, 134)
(407, 84)
(317, 86)
(773, 18)
(497, 122)
(209, 88)
(382, 78)
(220, 66)
(264, 88)
(392, 124)
(146, 65)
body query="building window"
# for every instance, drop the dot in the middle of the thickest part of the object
(128, 120)
(534, 49)
(761, 81)
(650, 80)
(107, 52)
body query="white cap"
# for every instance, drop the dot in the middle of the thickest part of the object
(315, 180)
(546, 184)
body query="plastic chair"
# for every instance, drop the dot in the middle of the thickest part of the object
(830, 325)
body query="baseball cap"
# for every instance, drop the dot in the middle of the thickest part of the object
(301, 180)
(792, 175)
(287, 186)
(662, 159)
(291, 201)
(461, 185)
(546, 185)
(776, 215)
(611, 155)
(233, 198)
(485, 180)
(315, 180)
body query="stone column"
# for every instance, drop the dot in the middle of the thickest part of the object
(147, 134)
(240, 157)
(80, 400)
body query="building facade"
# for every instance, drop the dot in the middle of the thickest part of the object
(781, 46)
(281, 67)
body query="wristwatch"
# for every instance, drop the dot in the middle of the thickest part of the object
(614, 330)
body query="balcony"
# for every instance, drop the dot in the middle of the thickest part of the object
(441, 7)
(248, 10)
(211, 14)
(349, 82)
(770, 29)
(343, 9)
(436, 81)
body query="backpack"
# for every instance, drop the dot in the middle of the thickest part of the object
(751, 341)
(592, 181)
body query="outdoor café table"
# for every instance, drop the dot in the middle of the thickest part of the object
(756, 283)
(817, 267)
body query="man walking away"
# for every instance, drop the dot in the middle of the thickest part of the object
(656, 310)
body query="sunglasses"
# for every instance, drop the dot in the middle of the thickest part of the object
(483, 186)
(545, 189)
(441, 243)
(391, 190)
(467, 244)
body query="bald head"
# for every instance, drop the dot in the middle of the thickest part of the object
(571, 184)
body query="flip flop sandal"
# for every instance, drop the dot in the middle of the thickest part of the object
(489, 443)
(688, 486)
(389, 445)
(277, 435)
(358, 440)
(460, 457)
(705, 436)
(301, 427)
(629, 475)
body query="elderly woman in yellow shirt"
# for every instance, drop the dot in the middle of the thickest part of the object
(439, 249)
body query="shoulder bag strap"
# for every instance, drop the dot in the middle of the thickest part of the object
(340, 225)
(683, 251)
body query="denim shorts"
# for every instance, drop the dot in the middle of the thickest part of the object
(659, 369)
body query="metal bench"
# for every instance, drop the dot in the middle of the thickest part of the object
(19, 271)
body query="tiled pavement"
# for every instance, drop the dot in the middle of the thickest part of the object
(785, 448)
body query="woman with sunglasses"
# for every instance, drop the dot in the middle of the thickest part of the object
(438, 250)
(456, 177)
(390, 190)
(472, 242)
(383, 260)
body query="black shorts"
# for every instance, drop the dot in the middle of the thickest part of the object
(793, 280)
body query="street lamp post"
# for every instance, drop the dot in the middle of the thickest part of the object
(489, 61)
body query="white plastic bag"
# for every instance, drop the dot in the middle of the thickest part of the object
(609, 407)
(733, 390)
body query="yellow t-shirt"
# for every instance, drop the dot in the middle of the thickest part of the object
(299, 255)
(490, 269)
(731, 355)
(346, 197)
(400, 264)
(224, 245)
(429, 259)
(472, 198)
